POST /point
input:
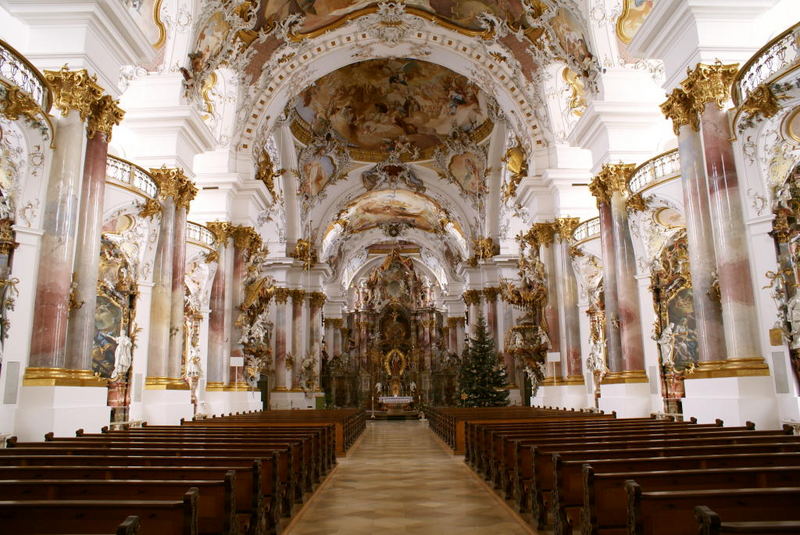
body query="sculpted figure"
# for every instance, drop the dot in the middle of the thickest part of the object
(122, 355)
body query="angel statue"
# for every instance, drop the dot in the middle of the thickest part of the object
(122, 355)
(378, 388)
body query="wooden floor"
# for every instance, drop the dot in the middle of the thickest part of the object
(400, 479)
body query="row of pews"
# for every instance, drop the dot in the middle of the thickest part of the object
(241, 474)
(593, 474)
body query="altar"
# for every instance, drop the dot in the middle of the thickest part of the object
(394, 406)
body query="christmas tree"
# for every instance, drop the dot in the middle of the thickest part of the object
(482, 378)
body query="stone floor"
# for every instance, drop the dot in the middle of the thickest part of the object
(400, 479)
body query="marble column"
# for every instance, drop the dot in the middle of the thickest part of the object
(245, 242)
(74, 92)
(281, 297)
(298, 297)
(472, 298)
(105, 114)
(315, 303)
(570, 333)
(178, 298)
(613, 341)
(709, 88)
(216, 342)
(490, 297)
(545, 237)
(452, 331)
(699, 227)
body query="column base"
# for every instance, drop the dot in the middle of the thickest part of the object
(625, 377)
(293, 400)
(734, 400)
(228, 401)
(35, 376)
(628, 399)
(62, 410)
(514, 396)
(166, 406)
(751, 367)
(165, 383)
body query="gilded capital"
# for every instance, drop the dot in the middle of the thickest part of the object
(710, 83)
(105, 115)
(222, 230)
(678, 108)
(544, 233)
(246, 238)
(172, 182)
(491, 293)
(297, 295)
(565, 226)
(281, 295)
(74, 90)
(612, 178)
(472, 297)
(316, 299)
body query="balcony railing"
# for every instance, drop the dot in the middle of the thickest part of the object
(199, 234)
(131, 175)
(18, 71)
(774, 59)
(663, 167)
(587, 230)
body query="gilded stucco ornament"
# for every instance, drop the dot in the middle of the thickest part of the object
(316, 299)
(266, 173)
(472, 297)
(17, 103)
(544, 233)
(246, 238)
(304, 251)
(762, 101)
(565, 226)
(637, 203)
(149, 208)
(172, 182)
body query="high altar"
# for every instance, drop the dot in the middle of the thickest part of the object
(394, 355)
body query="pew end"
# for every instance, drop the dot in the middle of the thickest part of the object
(11, 441)
(79, 432)
(129, 526)
(707, 520)
(693, 420)
(719, 422)
(751, 426)
(49, 437)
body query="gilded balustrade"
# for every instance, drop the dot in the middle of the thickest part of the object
(198, 234)
(657, 170)
(588, 230)
(775, 59)
(131, 176)
(16, 71)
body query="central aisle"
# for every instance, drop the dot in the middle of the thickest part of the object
(399, 479)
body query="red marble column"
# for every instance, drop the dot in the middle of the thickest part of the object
(81, 332)
(545, 233)
(281, 297)
(298, 297)
(161, 303)
(217, 319)
(178, 298)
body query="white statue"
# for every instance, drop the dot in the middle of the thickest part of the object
(427, 291)
(793, 315)
(378, 388)
(413, 387)
(6, 210)
(362, 293)
(666, 344)
(122, 355)
(193, 369)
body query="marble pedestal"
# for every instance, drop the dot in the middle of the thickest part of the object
(514, 397)
(629, 400)
(562, 396)
(226, 402)
(292, 400)
(62, 410)
(735, 400)
(167, 407)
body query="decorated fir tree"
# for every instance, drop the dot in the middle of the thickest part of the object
(482, 379)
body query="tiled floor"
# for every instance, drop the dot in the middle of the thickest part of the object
(399, 479)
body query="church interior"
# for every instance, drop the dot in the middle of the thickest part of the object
(335, 243)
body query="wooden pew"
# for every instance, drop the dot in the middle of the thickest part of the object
(164, 517)
(605, 504)
(672, 512)
(216, 505)
(709, 523)
(568, 492)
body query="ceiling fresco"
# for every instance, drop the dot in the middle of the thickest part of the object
(404, 207)
(376, 103)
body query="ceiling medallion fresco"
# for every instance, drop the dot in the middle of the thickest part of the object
(377, 103)
(375, 208)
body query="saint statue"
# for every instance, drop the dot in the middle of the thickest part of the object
(666, 343)
(122, 355)
(378, 388)
(793, 315)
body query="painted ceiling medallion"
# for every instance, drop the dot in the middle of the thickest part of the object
(381, 102)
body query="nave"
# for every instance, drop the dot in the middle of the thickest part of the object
(400, 479)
